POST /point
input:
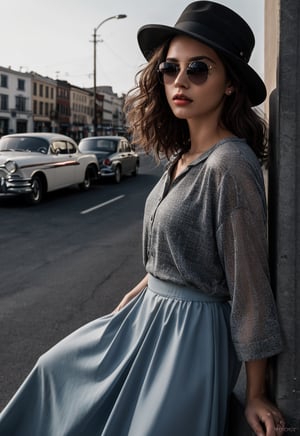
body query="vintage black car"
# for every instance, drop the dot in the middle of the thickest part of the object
(115, 155)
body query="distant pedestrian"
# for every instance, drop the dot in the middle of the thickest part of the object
(165, 362)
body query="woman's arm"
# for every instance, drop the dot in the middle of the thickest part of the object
(263, 417)
(133, 293)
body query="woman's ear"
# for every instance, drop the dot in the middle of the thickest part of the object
(229, 90)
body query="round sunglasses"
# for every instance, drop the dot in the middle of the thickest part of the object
(197, 72)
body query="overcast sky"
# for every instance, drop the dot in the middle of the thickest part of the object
(53, 37)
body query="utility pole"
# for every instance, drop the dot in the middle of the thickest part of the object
(117, 17)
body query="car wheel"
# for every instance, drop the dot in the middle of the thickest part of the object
(37, 191)
(86, 184)
(118, 175)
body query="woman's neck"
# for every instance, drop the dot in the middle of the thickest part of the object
(206, 136)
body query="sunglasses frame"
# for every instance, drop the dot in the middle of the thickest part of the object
(194, 77)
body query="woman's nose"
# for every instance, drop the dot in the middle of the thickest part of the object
(182, 79)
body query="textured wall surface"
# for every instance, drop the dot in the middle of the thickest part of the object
(284, 205)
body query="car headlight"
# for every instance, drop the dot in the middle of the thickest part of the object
(11, 166)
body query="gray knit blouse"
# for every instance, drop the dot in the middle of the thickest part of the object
(207, 230)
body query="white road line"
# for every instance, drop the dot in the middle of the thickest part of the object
(83, 212)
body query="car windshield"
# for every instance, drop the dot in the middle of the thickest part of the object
(23, 143)
(98, 144)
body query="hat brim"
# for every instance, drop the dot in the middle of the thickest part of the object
(153, 36)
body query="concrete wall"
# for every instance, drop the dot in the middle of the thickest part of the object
(282, 107)
(271, 52)
(282, 76)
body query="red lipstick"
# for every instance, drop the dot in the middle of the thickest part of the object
(181, 100)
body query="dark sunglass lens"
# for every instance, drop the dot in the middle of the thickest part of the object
(198, 72)
(168, 68)
(167, 72)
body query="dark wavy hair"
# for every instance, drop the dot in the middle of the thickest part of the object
(153, 125)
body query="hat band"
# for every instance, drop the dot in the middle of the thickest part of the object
(221, 41)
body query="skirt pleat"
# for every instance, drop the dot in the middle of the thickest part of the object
(164, 365)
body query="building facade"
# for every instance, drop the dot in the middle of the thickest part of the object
(113, 122)
(63, 107)
(43, 103)
(81, 119)
(15, 102)
(30, 102)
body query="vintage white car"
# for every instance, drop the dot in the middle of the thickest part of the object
(36, 163)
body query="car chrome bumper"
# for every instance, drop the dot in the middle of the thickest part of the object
(15, 186)
(106, 172)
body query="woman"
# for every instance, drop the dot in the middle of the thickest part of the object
(166, 360)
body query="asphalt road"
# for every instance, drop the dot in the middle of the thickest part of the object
(66, 262)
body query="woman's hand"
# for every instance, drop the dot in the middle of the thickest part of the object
(133, 293)
(125, 300)
(263, 417)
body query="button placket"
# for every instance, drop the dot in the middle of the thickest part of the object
(153, 214)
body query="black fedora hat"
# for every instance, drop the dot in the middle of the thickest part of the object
(220, 28)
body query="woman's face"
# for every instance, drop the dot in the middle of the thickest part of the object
(188, 98)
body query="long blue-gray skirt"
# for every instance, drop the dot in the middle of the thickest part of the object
(164, 365)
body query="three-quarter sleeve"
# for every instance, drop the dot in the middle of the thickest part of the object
(242, 245)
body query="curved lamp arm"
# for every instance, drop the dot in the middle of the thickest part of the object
(117, 17)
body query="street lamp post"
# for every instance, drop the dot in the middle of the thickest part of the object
(117, 17)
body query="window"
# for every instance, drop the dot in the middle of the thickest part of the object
(71, 147)
(41, 108)
(20, 103)
(34, 88)
(3, 102)
(41, 90)
(46, 109)
(3, 80)
(47, 91)
(121, 147)
(62, 92)
(35, 107)
(59, 147)
(23, 143)
(21, 85)
(126, 146)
